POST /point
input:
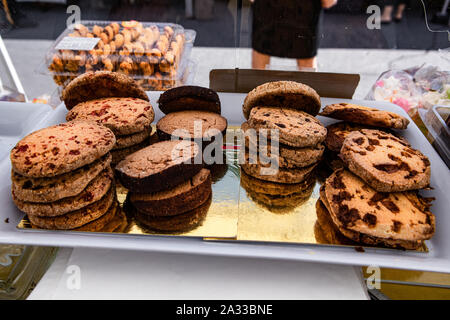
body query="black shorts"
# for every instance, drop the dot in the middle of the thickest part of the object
(286, 28)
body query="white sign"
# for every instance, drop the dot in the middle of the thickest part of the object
(77, 43)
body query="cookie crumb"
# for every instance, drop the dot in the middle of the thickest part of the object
(7, 220)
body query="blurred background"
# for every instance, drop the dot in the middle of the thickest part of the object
(343, 26)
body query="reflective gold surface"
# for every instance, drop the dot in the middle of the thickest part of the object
(261, 223)
(239, 214)
(220, 220)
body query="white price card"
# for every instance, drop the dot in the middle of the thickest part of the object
(77, 43)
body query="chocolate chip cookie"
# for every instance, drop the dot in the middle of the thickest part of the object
(295, 128)
(385, 162)
(276, 174)
(283, 94)
(399, 219)
(365, 115)
(288, 157)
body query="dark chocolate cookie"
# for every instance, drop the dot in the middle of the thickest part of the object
(189, 98)
(160, 166)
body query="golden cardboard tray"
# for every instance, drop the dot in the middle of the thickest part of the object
(235, 213)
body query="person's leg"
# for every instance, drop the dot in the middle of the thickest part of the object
(5, 7)
(400, 8)
(308, 63)
(386, 16)
(259, 60)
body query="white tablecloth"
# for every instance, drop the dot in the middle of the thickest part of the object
(115, 274)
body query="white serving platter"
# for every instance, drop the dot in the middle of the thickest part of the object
(20, 119)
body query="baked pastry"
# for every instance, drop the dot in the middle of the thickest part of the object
(288, 157)
(100, 84)
(337, 132)
(60, 149)
(99, 225)
(182, 223)
(276, 174)
(191, 124)
(78, 218)
(296, 128)
(399, 220)
(272, 188)
(93, 192)
(283, 94)
(184, 197)
(277, 195)
(365, 115)
(189, 98)
(160, 166)
(58, 187)
(328, 232)
(124, 116)
(385, 162)
(120, 154)
(130, 140)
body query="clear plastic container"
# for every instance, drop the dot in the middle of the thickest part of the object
(436, 119)
(154, 54)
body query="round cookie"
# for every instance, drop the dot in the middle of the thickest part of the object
(130, 140)
(99, 225)
(272, 188)
(283, 94)
(385, 162)
(123, 116)
(60, 149)
(337, 132)
(289, 157)
(181, 223)
(365, 115)
(295, 128)
(160, 166)
(191, 124)
(282, 175)
(364, 215)
(100, 84)
(189, 98)
(94, 191)
(182, 198)
(120, 154)
(55, 188)
(78, 218)
(329, 231)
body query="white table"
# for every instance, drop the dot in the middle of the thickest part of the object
(116, 274)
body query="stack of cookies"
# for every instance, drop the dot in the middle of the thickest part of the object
(169, 190)
(62, 177)
(375, 200)
(355, 118)
(277, 171)
(192, 113)
(128, 116)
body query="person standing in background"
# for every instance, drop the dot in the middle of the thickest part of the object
(287, 29)
(388, 8)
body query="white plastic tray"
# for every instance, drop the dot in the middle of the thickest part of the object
(19, 119)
